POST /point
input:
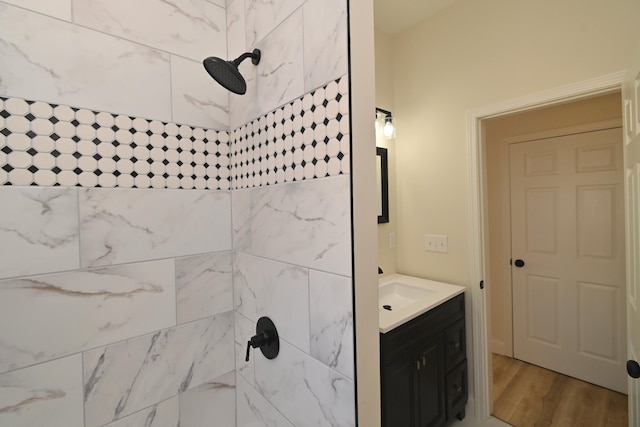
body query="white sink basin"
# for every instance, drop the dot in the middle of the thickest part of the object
(402, 298)
(394, 296)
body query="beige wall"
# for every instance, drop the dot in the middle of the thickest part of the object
(384, 99)
(471, 55)
(598, 109)
(384, 70)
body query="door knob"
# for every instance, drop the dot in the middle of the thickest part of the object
(633, 369)
(519, 263)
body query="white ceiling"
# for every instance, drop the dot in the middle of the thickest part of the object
(395, 16)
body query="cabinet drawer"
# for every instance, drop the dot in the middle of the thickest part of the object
(455, 344)
(431, 323)
(457, 390)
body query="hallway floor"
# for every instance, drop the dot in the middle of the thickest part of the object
(527, 395)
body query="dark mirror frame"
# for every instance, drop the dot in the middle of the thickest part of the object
(383, 210)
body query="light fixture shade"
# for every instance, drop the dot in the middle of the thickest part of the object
(389, 129)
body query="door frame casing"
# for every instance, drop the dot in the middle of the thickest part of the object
(478, 225)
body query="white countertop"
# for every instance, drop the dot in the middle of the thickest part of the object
(439, 293)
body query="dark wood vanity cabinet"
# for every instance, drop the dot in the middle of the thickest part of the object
(424, 368)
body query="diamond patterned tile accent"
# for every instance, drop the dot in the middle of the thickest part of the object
(307, 138)
(57, 145)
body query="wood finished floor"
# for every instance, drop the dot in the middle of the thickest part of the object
(526, 395)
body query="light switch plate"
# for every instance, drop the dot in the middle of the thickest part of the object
(436, 243)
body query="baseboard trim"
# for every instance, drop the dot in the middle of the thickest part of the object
(499, 347)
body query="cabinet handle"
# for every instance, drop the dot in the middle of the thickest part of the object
(418, 365)
(424, 361)
(456, 345)
(457, 388)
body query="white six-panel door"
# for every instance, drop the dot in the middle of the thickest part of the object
(567, 219)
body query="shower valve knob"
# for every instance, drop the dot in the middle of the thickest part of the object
(256, 341)
(266, 339)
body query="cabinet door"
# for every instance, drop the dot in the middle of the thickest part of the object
(399, 392)
(431, 393)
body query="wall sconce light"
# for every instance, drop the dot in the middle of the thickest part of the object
(388, 129)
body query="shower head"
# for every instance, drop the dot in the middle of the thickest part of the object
(226, 72)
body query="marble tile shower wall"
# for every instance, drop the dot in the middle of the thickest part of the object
(120, 312)
(293, 263)
(112, 310)
(292, 244)
(304, 46)
(116, 304)
(131, 232)
(140, 59)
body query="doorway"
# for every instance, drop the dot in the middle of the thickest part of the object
(543, 129)
(478, 223)
(544, 126)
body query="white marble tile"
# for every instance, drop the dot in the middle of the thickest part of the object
(163, 414)
(263, 16)
(212, 403)
(60, 9)
(241, 219)
(243, 108)
(280, 291)
(125, 377)
(325, 42)
(191, 28)
(100, 72)
(49, 394)
(244, 330)
(204, 286)
(49, 316)
(38, 230)
(198, 99)
(305, 223)
(281, 69)
(254, 410)
(304, 390)
(331, 320)
(128, 225)
(236, 35)
(277, 79)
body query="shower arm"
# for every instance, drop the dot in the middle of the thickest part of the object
(255, 58)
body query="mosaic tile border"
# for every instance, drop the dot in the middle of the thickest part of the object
(43, 144)
(307, 138)
(57, 145)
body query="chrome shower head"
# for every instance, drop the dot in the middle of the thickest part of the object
(226, 72)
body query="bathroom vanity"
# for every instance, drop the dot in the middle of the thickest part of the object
(423, 358)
